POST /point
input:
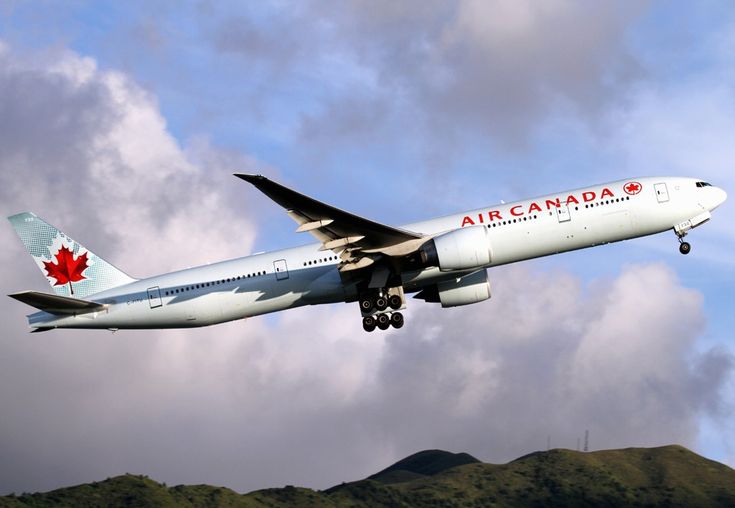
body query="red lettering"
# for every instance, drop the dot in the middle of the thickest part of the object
(480, 218)
(572, 200)
(606, 192)
(534, 208)
(467, 222)
(588, 196)
(515, 213)
(550, 203)
(494, 214)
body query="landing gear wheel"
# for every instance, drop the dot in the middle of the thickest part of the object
(366, 305)
(395, 302)
(368, 324)
(381, 303)
(383, 321)
(396, 320)
(685, 248)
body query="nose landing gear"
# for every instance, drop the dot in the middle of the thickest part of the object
(683, 228)
(684, 247)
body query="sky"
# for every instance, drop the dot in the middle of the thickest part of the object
(122, 123)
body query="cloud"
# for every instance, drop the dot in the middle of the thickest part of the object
(422, 93)
(304, 397)
(492, 69)
(548, 357)
(89, 150)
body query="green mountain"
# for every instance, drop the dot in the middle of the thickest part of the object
(665, 476)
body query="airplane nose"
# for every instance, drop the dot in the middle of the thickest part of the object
(718, 196)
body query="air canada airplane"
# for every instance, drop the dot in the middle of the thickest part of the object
(443, 260)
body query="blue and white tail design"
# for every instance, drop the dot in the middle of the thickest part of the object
(71, 269)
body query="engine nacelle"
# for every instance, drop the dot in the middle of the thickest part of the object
(461, 249)
(472, 288)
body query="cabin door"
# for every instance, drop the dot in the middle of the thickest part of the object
(154, 297)
(662, 193)
(562, 213)
(281, 269)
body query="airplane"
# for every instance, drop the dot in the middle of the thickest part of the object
(442, 260)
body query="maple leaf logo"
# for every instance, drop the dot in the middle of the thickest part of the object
(632, 188)
(66, 269)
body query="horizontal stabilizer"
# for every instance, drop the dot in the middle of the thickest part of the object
(56, 304)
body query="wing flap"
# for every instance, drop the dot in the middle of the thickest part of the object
(55, 304)
(308, 226)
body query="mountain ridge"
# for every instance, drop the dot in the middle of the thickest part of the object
(662, 476)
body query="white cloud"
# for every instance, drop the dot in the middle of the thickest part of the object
(548, 358)
(304, 398)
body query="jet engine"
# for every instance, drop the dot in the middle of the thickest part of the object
(461, 249)
(472, 288)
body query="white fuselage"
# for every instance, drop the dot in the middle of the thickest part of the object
(305, 275)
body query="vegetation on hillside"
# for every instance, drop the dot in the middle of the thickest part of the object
(664, 476)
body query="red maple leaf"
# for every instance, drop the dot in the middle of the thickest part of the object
(66, 269)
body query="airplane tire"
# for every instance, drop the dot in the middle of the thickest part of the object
(396, 320)
(381, 303)
(366, 305)
(383, 321)
(368, 324)
(395, 302)
(685, 248)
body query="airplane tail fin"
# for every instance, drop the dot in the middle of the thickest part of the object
(71, 269)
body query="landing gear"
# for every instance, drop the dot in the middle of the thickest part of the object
(366, 305)
(381, 303)
(681, 231)
(379, 308)
(368, 323)
(383, 321)
(684, 247)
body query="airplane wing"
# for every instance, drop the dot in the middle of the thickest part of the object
(357, 240)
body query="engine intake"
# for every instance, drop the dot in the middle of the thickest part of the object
(461, 249)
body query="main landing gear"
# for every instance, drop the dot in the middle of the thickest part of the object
(379, 310)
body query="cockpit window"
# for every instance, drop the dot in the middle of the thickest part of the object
(704, 184)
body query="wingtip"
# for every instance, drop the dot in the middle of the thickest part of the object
(250, 178)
